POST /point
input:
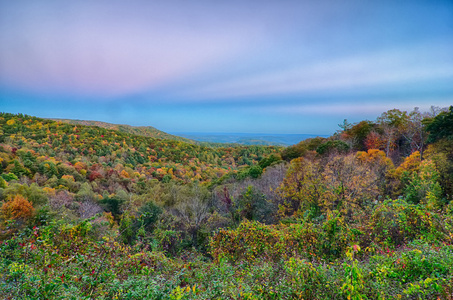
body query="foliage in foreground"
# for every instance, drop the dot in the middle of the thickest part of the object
(61, 261)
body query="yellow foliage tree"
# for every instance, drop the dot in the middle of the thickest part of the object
(377, 162)
(124, 174)
(374, 156)
(302, 187)
(410, 164)
(349, 184)
(344, 183)
(79, 166)
(68, 178)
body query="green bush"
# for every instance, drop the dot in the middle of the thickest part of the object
(395, 223)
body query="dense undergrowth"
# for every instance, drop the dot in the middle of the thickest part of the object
(58, 261)
(90, 213)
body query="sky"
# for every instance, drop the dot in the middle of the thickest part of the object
(242, 66)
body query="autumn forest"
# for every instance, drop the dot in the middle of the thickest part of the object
(95, 211)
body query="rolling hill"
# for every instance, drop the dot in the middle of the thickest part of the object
(147, 131)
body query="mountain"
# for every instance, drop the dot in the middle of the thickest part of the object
(206, 139)
(43, 148)
(147, 131)
(247, 138)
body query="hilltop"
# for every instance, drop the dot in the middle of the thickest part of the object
(105, 153)
(147, 131)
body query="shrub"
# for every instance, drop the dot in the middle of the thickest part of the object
(250, 241)
(395, 223)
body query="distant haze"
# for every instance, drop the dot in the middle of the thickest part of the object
(246, 138)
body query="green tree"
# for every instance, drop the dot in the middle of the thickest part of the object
(358, 133)
(332, 147)
(149, 215)
(422, 185)
(440, 126)
(253, 205)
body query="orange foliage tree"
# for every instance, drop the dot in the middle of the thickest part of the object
(17, 208)
(375, 141)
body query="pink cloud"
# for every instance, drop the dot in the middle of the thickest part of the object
(110, 51)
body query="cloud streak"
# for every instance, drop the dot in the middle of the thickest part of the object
(355, 108)
(402, 66)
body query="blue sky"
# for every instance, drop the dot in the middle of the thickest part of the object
(225, 66)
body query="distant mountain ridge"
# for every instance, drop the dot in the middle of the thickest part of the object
(147, 131)
(201, 138)
(248, 138)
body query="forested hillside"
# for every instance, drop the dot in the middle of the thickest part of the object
(93, 213)
(148, 131)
